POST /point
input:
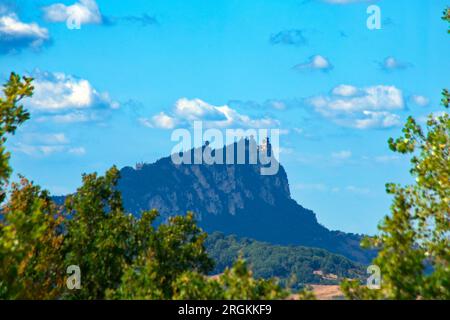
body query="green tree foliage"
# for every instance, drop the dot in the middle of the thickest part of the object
(30, 224)
(119, 256)
(98, 234)
(294, 266)
(166, 252)
(12, 114)
(446, 16)
(236, 282)
(30, 245)
(414, 243)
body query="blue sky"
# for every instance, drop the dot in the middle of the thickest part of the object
(111, 92)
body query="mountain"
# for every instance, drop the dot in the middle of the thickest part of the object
(292, 265)
(233, 199)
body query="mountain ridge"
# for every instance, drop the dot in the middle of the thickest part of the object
(233, 199)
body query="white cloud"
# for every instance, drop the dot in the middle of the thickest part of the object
(16, 35)
(83, 11)
(286, 151)
(320, 187)
(341, 155)
(46, 144)
(279, 105)
(345, 90)
(391, 64)
(370, 98)
(47, 150)
(186, 111)
(316, 62)
(360, 107)
(45, 138)
(55, 92)
(197, 109)
(44, 150)
(161, 120)
(79, 151)
(376, 119)
(77, 116)
(358, 190)
(433, 115)
(386, 158)
(419, 100)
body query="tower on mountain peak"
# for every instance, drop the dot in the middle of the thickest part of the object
(266, 146)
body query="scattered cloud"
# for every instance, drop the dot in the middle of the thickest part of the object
(83, 11)
(79, 151)
(341, 155)
(88, 12)
(361, 108)
(316, 62)
(45, 138)
(390, 64)
(58, 91)
(40, 150)
(277, 104)
(344, 90)
(160, 120)
(197, 109)
(71, 117)
(143, 20)
(321, 187)
(270, 104)
(358, 190)
(186, 111)
(386, 158)
(419, 100)
(294, 37)
(64, 99)
(16, 35)
(286, 151)
(434, 116)
(46, 144)
(375, 119)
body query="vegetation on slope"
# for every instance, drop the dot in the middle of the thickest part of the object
(414, 242)
(117, 255)
(294, 266)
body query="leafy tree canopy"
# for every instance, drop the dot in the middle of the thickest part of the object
(119, 255)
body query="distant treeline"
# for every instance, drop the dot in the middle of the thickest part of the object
(292, 265)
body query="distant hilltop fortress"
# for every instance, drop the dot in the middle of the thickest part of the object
(139, 165)
(233, 199)
(266, 146)
(244, 151)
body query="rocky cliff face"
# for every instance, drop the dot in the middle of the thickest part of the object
(234, 199)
